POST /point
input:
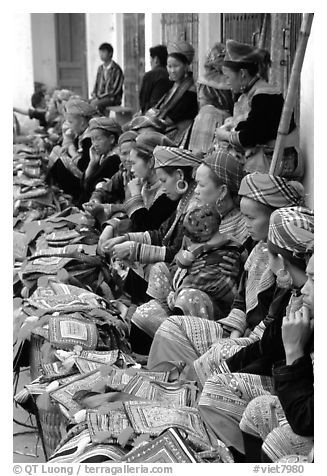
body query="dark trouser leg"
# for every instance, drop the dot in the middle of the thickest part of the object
(265, 458)
(252, 446)
(136, 287)
(139, 340)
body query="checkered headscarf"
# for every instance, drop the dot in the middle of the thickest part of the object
(106, 123)
(292, 229)
(270, 190)
(227, 168)
(174, 157)
(80, 107)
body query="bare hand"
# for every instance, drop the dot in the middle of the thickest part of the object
(296, 331)
(230, 265)
(106, 235)
(135, 186)
(221, 134)
(109, 244)
(235, 334)
(122, 250)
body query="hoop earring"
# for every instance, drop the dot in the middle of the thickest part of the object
(181, 186)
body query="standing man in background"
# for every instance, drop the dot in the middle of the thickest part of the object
(155, 82)
(108, 88)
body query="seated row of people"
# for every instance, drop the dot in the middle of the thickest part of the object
(211, 249)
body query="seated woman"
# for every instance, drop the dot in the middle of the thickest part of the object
(250, 134)
(261, 195)
(282, 424)
(215, 101)
(179, 106)
(146, 207)
(68, 162)
(174, 167)
(249, 373)
(104, 162)
(202, 239)
(112, 191)
(218, 179)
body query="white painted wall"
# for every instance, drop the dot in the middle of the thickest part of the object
(209, 33)
(100, 28)
(307, 117)
(23, 81)
(152, 27)
(44, 48)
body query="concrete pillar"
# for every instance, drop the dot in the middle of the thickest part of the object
(44, 48)
(307, 117)
(22, 74)
(209, 33)
(152, 27)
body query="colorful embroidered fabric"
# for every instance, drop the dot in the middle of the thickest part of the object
(153, 418)
(166, 448)
(66, 331)
(171, 393)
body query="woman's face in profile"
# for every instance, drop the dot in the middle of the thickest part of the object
(233, 79)
(206, 190)
(168, 183)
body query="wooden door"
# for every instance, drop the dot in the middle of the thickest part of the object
(182, 26)
(71, 52)
(134, 58)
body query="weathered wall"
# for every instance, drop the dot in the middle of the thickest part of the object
(100, 28)
(23, 86)
(44, 48)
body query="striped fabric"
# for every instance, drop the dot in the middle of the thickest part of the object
(227, 168)
(233, 223)
(79, 107)
(106, 123)
(174, 157)
(271, 190)
(292, 229)
(224, 399)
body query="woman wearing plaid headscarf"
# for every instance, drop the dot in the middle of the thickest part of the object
(251, 132)
(260, 195)
(68, 162)
(253, 370)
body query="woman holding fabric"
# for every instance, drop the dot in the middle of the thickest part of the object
(218, 179)
(146, 207)
(215, 101)
(250, 134)
(207, 343)
(179, 106)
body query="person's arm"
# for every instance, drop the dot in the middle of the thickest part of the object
(236, 319)
(263, 120)
(96, 84)
(149, 219)
(25, 112)
(294, 387)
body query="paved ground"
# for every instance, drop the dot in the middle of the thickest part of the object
(27, 446)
